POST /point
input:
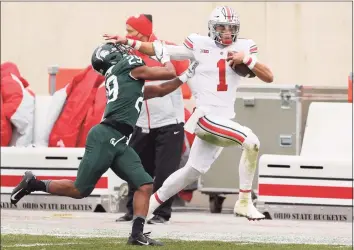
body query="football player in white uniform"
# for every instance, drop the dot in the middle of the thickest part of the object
(214, 88)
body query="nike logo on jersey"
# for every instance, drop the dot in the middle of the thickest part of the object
(176, 132)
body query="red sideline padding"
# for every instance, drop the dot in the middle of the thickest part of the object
(306, 191)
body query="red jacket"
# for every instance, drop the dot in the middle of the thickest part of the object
(17, 102)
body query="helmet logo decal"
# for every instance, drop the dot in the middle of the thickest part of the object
(98, 54)
(228, 13)
(104, 53)
(101, 54)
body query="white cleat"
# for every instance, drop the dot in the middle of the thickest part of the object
(246, 209)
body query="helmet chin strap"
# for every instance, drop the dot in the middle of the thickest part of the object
(222, 43)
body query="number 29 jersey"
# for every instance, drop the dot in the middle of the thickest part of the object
(124, 93)
(214, 84)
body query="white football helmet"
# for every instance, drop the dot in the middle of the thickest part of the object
(224, 25)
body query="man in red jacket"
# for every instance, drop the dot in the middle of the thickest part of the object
(17, 110)
(159, 134)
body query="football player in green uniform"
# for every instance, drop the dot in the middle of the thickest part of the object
(106, 144)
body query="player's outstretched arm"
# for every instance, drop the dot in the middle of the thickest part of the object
(165, 88)
(143, 47)
(156, 48)
(161, 90)
(167, 72)
(146, 48)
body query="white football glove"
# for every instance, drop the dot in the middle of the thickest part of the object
(189, 73)
(161, 51)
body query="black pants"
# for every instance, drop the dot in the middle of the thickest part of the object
(160, 151)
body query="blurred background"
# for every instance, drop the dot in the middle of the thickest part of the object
(306, 43)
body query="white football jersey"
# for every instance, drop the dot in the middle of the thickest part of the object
(214, 84)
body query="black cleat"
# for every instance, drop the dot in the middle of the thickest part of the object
(22, 189)
(126, 217)
(157, 219)
(143, 240)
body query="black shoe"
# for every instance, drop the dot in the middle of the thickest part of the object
(22, 189)
(157, 219)
(143, 240)
(126, 217)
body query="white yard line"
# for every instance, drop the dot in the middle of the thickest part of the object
(43, 244)
(52, 244)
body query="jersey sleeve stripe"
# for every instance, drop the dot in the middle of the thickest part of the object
(188, 43)
(254, 50)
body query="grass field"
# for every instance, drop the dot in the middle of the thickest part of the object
(23, 241)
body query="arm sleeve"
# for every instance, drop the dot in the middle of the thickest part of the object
(179, 52)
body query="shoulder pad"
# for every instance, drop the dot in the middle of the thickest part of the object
(191, 40)
(248, 44)
(128, 63)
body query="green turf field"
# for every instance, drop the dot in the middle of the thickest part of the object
(22, 241)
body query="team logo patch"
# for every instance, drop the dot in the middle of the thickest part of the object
(205, 51)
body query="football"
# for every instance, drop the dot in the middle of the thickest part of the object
(244, 71)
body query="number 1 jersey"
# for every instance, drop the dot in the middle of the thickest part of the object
(214, 84)
(124, 93)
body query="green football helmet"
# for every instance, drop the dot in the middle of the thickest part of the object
(107, 55)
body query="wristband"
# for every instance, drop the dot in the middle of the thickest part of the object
(135, 44)
(250, 61)
(183, 78)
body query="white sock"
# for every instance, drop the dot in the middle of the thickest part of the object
(247, 169)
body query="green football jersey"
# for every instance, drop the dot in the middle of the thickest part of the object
(124, 93)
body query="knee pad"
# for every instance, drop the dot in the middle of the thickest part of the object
(252, 141)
